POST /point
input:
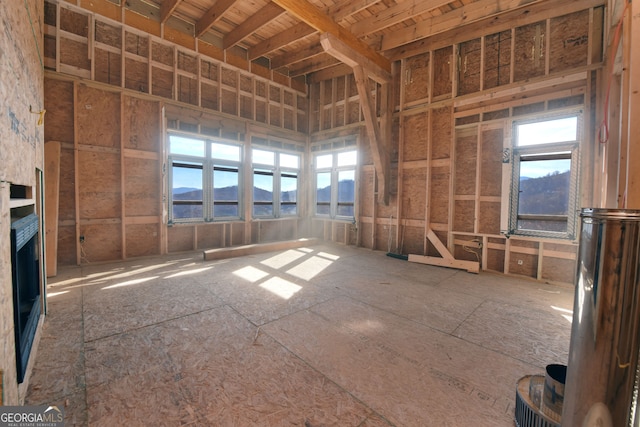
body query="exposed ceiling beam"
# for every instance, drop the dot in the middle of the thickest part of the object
(394, 15)
(346, 8)
(261, 18)
(308, 13)
(296, 56)
(212, 15)
(466, 14)
(337, 70)
(339, 50)
(166, 9)
(312, 65)
(287, 36)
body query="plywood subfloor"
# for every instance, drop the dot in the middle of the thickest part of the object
(318, 336)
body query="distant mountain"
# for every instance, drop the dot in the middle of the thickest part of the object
(545, 195)
(346, 190)
(230, 194)
(195, 194)
(181, 190)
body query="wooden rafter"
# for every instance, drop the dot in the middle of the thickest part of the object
(212, 16)
(456, 18)
(523, 16)
(167, 8)
(289, 35)
(316, 63)
(317, 19)
(394, 15)
(296, 56)
(346, 8)
(329, 73)
(261, 18)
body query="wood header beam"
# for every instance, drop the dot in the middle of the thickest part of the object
(212, 16)
(341, 51)
(167, 8)
(315, 18)
(261, 18)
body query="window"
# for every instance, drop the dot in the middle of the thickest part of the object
(545, 176)
(275, 183)
(205, 179)
(335, 184)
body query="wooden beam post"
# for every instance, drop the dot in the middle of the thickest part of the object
(379, 134)
(353, 58)
(378, 151)
(51, 203)
(317, 19)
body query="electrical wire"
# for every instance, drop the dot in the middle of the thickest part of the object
(83, 255)
(470, 250)
(603, 131)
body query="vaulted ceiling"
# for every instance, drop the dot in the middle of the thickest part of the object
(285, 35)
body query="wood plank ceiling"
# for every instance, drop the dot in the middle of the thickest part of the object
(285, 35)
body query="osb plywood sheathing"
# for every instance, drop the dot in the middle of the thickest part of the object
(143, 71)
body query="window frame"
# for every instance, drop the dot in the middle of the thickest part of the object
(209, 164)
(276, 171)
(546, 151)
(334, 171)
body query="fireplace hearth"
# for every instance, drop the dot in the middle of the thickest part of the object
(26, 287)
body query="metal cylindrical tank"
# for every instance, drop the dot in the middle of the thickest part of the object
(603, 354)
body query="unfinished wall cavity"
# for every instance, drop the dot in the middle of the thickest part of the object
(454, 104)
(84, 44)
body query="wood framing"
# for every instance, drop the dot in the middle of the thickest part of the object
(315, 18)
(167, 8)
(51, 202)
(353, 58)
(287, 36)
(447, 259)
(632, 198)
(266, 14)
(394, 15)
(212, 16)
(379, 153)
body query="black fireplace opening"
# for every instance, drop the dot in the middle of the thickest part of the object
(25, 271)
